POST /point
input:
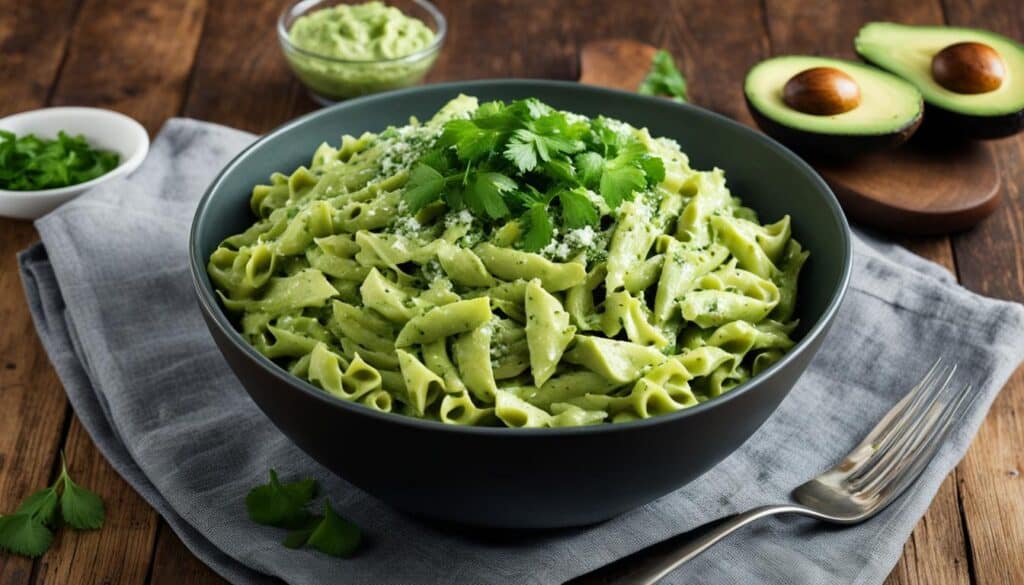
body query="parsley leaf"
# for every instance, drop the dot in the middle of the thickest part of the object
(538, 228)
(28, 531)
(589, 167)
(30, 163)
(40, 505)
(24, 535)
(577, 210)
(335, 535)
(619, 180)
(281, 505)
(80, 508)
(424, 187)
(484, 194)
(664, 78)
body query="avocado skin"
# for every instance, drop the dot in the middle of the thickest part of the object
(830, 146)
(959, 125)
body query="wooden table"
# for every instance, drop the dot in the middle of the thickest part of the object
(218, 60)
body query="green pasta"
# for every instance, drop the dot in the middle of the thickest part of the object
(511, 265)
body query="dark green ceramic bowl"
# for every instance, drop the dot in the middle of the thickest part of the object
(531, 478)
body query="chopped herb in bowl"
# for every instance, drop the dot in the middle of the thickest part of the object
(30, 163)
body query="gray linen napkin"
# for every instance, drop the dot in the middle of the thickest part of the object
(109, 289)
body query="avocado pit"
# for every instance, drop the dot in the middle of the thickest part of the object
(969, 68)
(821, 91)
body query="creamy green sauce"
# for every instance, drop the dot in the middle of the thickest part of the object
(360, 32)
(355, 49)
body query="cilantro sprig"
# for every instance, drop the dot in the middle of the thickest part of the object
(29, 530)
(286, 505)
(664, 78)
(30, 163)
(527, 161)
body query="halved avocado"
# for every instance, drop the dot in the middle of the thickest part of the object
(979, 110)
(885, 114)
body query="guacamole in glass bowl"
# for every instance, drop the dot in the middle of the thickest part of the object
(341, 50)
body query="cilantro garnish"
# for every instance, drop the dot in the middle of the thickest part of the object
(664, 78)
(29, 530)
(527, 161)
(286, 505)
(30, 163)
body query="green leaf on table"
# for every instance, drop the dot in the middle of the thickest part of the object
(281, 505)
(664, 78)
(22, 534)
(80, 508)
(335, 535)
(41, 505)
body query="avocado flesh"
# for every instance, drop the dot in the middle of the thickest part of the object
(908, 51)
(889, 111)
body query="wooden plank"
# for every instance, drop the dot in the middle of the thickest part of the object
(241, 78)
(32, 403)
(118, 553)
(936, 551)
(34, 39)
(143, 74)
(990, 259)
(173, 563)
(33, 408)
(133, 56)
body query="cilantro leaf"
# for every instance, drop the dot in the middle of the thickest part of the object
(484, 194)
(654, 168)
(281, 505)
(335, 535)
(522, 153)
(577, 210)
(664, 78)
(30, 163)
(80, 508)
(298, 537)
(24, 535)
(538, 228)
(619, 181)
(41, 505)
(589, 166)
(425, 186)
(469, 140)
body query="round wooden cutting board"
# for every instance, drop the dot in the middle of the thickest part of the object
(924, 187)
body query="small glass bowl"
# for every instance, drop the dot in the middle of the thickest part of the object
(330, 79)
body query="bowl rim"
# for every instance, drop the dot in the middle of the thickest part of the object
(208, 301)
(433, 47)
(126, 166)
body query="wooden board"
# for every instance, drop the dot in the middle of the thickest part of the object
(925, 187)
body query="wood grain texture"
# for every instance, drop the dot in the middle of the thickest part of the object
(33, 40)
(33, 409)
(174, 564)
(133, 56)
(241, 78)
(32, 403)
(120, 552)
(991, 261)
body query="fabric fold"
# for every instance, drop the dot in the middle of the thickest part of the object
(110, 292)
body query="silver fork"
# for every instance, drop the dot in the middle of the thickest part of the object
(867, 480)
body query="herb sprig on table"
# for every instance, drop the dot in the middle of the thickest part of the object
(529, 161)
(30, 163)
(29, 530)
(664, 78)
(286, 505)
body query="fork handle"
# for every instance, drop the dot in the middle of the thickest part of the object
(671, 553)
